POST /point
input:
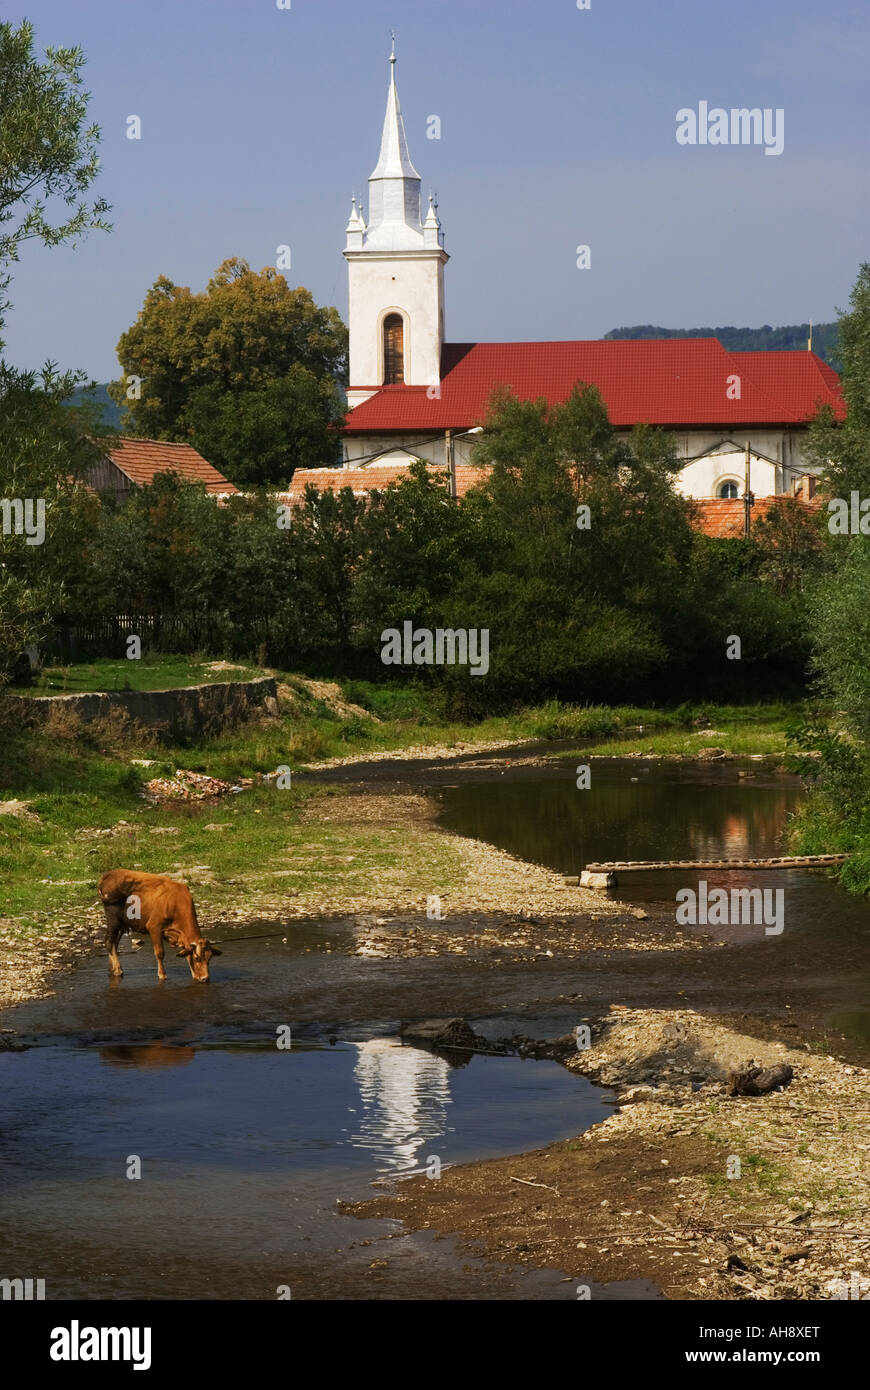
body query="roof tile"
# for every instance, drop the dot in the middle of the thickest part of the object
(141, 459)
(677, 382)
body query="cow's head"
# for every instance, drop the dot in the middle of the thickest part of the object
(198, 956)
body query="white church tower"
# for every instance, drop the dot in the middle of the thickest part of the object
(395, 271)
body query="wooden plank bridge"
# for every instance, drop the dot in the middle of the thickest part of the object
(801, 861)
(593, 874)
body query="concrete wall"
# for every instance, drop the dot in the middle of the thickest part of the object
(182, 714)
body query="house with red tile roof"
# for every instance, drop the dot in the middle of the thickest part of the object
(129, 463)
(413, 395)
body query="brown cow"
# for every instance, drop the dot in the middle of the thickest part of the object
(160, 906)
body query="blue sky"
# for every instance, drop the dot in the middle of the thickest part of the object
(558, 128)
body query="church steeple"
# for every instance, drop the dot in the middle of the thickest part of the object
(394, 184)
(395, 265)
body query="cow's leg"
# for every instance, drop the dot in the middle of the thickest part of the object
(115, 925)
(157, 942)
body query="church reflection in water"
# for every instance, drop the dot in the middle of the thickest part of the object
(405, 1093)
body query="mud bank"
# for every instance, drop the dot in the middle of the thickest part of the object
(706, 1196)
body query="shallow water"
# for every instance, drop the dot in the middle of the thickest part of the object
(244, 1153)
(668, 810)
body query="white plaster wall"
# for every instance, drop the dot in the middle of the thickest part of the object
(704, 477)
(698, 479)
(411, 284)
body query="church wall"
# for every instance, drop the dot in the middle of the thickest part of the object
(786, 447)
(359, 447)
(698, 479)
(408, 284)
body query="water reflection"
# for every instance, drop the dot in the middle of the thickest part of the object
(631, 811)
(405, 1093)
(148, 1055)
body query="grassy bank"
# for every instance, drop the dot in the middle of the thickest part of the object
(78, 806)
(826, 825)
(740, 730)
(150, 672)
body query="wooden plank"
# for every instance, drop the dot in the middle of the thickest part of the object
(806, 861)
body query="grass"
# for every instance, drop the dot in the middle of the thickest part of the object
(80, 779)
(150, 672)
(741, 730)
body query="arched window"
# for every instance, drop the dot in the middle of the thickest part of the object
(728, 490)
(394, 350)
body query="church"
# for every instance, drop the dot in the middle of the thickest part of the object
(414, 395)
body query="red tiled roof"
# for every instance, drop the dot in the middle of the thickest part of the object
(376, 476)
(676, 382)
(799, 380)
(140, 459)
(723, 517)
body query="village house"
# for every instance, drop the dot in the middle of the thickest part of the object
(414, 395)
(127, 463)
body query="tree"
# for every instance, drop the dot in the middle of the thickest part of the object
(46, 150)
(588, 547)
(201, 358)
(839, 611)
(793, 541)
(47, 515)
(260, 436)
(841, 448)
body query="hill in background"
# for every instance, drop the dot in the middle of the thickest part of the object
(98, 394)
(765, 339)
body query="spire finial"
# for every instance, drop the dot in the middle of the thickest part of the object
(393, 53)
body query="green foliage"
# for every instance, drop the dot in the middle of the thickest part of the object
(260, 436)
(840, 622)
(794, 545)
(842, 448)
(45, 450)
(634, 605)
(46, 150)
(246, 371)
(834, 753)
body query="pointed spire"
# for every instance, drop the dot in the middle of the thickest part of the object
(355, 227)
(432, 226)
(394, 160)
(353, 220)
(394, 213)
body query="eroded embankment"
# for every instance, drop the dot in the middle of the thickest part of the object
(708, 1196)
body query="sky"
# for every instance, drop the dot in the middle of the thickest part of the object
(558, 129)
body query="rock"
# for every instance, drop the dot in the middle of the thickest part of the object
(635, 1094)
(758, 1081)
(19, 809)
(711, 754)
(639, 913)
(441, 1032)
(592, 880)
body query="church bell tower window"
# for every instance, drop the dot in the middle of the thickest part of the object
(394, 350)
